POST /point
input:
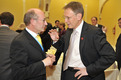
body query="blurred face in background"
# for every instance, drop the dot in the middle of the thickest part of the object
(119, 23)
(61, 27)
(94, 21)
(57, 24)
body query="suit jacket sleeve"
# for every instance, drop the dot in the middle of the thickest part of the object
(105, 53)
(22, 66)
(118, 51)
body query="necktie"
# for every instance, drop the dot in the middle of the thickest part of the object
(40, 41)
(69, 51)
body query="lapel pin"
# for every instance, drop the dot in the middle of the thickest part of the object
(82, 38)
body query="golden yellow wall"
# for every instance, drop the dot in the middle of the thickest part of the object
(91, 8)
(17, 8)
(110, 14)
(13, 6)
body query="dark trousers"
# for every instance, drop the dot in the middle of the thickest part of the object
(69, 75)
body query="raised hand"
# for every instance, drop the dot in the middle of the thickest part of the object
(53, 34)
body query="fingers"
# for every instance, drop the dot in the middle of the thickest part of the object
(53, 34)
(79, 77)
(81, 72)
(52, 30)
(48, 61)
(77, 73)
(52, 57)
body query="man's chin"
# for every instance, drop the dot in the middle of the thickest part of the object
(70, 27)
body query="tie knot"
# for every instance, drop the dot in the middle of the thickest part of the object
(75, 32)
(38, 36)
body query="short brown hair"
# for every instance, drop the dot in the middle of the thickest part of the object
(62, 23)
(119, 19)
(30, 15)
(76, 7)
(7, 18)
(95, 18)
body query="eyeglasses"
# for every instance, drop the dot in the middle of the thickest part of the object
(67, 17)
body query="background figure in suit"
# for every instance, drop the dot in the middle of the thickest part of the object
(61, 33)
(21, 28)
(86, 52)
(46, 40)
(118, 47)
(57, 23)
(6, 37)
(62, 29)
(95, 23)
(29, 60)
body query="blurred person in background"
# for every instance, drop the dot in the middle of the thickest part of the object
(57, 23)
(118, 47)
(62, 29)
(6, 37)
(46, 40)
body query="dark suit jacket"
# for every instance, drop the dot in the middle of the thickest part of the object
(96, 53)
(118, 51)
(100, 26)
(46, 39)
(27, 56)
(6, 37)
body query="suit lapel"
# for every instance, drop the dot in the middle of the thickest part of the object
(33, 42)
(83, 36)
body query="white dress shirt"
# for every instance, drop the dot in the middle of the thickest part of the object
(32, 33)
(75, 59)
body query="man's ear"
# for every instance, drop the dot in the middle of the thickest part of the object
(33, 22)
(79, 16)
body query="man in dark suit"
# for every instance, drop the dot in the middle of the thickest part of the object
(57, 23)
(86, 52)
(118, 47)
(29, 60)
(6, 37)
(46, 40)
(95, 22)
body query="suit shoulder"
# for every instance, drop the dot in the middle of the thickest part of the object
(92, 29)
(13, 32)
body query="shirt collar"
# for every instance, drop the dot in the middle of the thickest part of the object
(79, 28)
(96, 25)
(4, 26)
(31, 32)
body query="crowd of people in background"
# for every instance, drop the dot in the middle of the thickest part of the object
(23, 56)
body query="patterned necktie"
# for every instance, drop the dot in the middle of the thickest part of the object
(40, 41)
